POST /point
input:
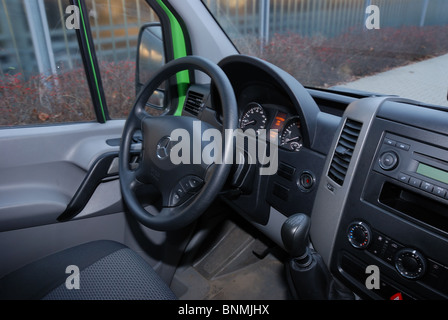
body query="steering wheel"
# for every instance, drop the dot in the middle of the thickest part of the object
(188, 188)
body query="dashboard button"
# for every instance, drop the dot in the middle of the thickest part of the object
(306, 181)
(377, 247)
(415, 182)
(403, 177)
(195, 183)
(390, 251)
(175, 199)
(390, 142)
(185, 183)
(191, 183)
(439, 191)
(427, 186)
(179, 191)
(403, 146)
(388, 160)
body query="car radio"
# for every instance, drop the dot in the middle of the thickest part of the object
(418, 165)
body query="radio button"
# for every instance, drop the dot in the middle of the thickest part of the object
(402, 146)
(439, 191)
(403, 177)
(415, 182)
(390, 142)
(388, 160)
(426, 186)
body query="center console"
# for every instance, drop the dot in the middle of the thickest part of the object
(393, 218)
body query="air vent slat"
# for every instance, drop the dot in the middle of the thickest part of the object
(194, 102)
(339, 168)
(344, 151)
(351, 132)
(350, 137)
(342, 162)
(354, 125)
(336, 176)
(347, 144)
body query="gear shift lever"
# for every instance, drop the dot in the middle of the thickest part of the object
(295, 236)
(307, 274)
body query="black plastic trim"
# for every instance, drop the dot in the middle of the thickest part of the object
(94, 177)
(91, 68)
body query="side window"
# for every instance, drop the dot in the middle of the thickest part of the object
(115, 27)
(42, 78)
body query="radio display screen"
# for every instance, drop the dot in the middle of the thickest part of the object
(432, 173)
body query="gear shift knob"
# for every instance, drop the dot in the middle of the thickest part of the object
(294, 234)
(306, 272)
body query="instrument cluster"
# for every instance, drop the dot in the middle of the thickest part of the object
(270, 117)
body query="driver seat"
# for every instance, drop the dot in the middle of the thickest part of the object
(108, 270)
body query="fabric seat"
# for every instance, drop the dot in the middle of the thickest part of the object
(108, 270)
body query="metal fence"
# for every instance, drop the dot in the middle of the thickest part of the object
(329, 18)
(115, 25)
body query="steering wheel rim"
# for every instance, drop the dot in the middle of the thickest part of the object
(176, 216)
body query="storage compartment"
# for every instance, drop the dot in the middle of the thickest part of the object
(414, 205)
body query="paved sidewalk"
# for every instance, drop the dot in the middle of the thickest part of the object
(425, 81)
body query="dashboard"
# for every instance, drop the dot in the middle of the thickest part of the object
(270, 102)
(370, 171)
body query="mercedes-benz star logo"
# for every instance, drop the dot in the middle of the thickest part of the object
(164, 148)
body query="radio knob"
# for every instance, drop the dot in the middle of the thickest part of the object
(388, 160)
(410, 263)
(359, 235)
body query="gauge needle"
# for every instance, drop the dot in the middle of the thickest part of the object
(292, 139)
(250, 122)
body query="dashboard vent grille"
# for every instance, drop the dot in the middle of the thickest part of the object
(194, 102)
(344, 151)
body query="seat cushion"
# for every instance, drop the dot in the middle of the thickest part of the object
(108, 270)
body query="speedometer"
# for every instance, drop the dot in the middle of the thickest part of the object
(254, 118)
(291, 136)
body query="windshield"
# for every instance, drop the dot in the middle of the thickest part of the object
(392, 47)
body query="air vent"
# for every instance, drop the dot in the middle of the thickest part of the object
(194, 102)
(344, 151)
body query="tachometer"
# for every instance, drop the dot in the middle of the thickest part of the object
(254, 118)
(291, 136)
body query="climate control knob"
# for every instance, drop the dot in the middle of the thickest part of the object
(359, 234)
(410, 263)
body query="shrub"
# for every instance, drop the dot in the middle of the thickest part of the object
(314, 61)
(45, 99)
(119, 86)
(324, 62)
(65, 96)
